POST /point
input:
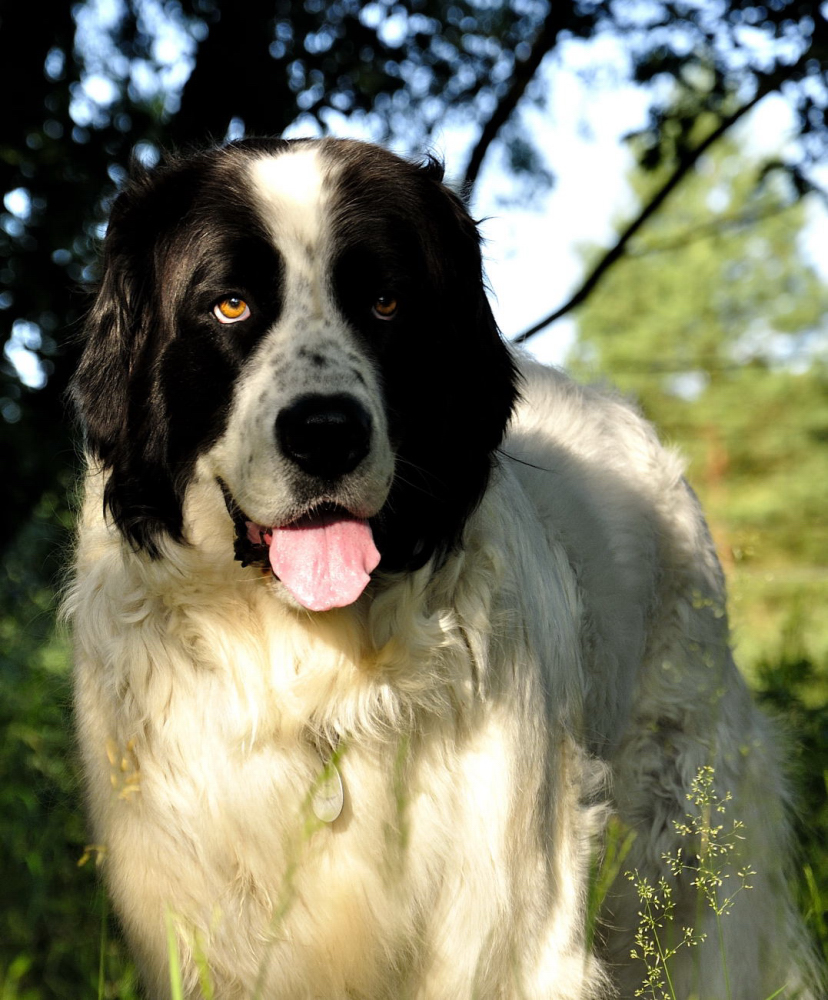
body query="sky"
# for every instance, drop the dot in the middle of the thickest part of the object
(533, 253)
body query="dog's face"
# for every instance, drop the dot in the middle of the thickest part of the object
(307, 322)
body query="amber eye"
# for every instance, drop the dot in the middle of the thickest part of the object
(231, 310)
(385, 307)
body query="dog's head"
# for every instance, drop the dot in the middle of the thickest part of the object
(308, 322)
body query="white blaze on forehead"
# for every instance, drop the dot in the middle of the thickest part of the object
(323, 560)
(289, 187)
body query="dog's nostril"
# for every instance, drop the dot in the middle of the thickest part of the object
(325, 435)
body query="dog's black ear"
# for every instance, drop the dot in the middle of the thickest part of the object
(491, 389)
(113, 339)
(113, 388)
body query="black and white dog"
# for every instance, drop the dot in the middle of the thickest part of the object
(376, 620)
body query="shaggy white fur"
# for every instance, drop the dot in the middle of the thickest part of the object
(485, 712)
(201, 700)
(663, 698)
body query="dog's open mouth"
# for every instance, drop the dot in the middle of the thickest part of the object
(325, 557)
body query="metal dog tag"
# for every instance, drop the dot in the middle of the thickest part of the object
(329, 796)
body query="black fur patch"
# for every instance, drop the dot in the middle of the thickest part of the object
(449, 380)
(156, 376)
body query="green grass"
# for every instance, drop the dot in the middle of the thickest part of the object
(774, 610)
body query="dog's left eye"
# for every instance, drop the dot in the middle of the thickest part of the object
(385, 307)
(231, 310)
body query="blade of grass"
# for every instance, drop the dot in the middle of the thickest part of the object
(817, 909)
(604, 871)
(176, 989)
(104, 943)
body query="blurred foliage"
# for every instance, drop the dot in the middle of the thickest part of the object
(795, 689)
(91, 84)
(724, 347)
(50, 925)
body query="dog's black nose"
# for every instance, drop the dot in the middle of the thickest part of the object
(326, 436)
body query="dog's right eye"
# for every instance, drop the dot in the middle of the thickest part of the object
(231, 310)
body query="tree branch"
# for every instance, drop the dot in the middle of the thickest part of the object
(685, 164)
(523, 75)
(717, 227)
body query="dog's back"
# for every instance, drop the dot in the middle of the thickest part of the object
(665, 704)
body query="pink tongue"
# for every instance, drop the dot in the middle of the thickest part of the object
(324, 561)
